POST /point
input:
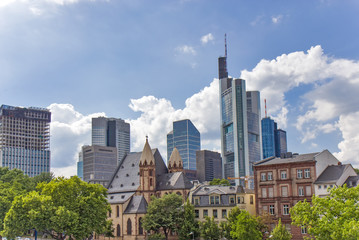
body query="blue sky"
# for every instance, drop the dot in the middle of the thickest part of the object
(153, 62)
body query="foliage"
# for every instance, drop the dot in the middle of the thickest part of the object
(226, 227)
(188, 223)
(61, 208)
(209, 229)
(163, 213)
(356, 170)
(280, 232)
(246, 227)
(265, 220)
(156, 236)
(333, 217)
(217, 181)
(43, 177)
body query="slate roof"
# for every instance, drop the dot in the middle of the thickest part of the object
(138, 204)
(352, 181)
(173, 181)
(114, 198)
(295, 158)
(331, 174)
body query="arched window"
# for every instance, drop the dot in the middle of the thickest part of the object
(118, 230)
(151, 183)
(140, 228)
(178, 193)
(117, 211)
(129, 227)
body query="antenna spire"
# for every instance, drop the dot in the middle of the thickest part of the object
(265, 107)
(225, 45)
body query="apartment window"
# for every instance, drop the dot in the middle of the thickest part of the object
(231, 200)
(299, 173)
(205, 213)
(308, 190)
(224, 213)
(215, 213)
(283, 174)
(319, 186)
(196, 213)
(284, 191)
(307, 173)
(214, 199)
(264, 192)
(238, 200)
(301, 191)
(304, 230)
(263, 177)
(270, 192)
(270, 176)
(271, 209)
(286, 209)
(196, 201)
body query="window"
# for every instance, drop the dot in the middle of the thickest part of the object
(196, 213)
(307, 173)
(319, 186)
(231, 200)
(215, 213)
(325, 186)
(303, 230)
(265, 208)
(284, 191)
(140, 228)
(117, 211)
(238, 200)
(224, 213)
(270, 176)
(129, 227)
(308, 190)
(151, 183)
(283, 174)
(301, 191)
(270, 192)
(205, 213)
(271, 209)
(263, 177)
(196, 201)
(286, 209)
(214, 199)
(118, 230)
(264, 192)
(299, 173)
(251, 199)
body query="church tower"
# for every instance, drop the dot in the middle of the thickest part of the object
(175, 163)
(147, 172)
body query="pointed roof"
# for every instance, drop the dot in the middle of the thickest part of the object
(175, 158)
(138, 204)
(173, 181)
(147, 155)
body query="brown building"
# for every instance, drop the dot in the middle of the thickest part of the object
(138, 177)
(281, 182)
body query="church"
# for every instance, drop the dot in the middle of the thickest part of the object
(139, 176)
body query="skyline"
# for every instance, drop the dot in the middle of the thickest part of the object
(151, 63)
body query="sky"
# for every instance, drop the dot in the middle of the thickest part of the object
(154, 62)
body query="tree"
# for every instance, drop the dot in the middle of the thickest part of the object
(217, 181)
(163, 214)
(43, 177)
(226, 227)
(333, 217)
(280, 232)
(188, 223)
(246, 227)
(61, 208)
(209, 229)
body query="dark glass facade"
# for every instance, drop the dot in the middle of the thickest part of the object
(268, 137)
(280, 142)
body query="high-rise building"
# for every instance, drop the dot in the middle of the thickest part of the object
(80, 166)
(274, 141)
(25, 139)
(209, 165)
(99, 163)
(111, 132)
(187, 139)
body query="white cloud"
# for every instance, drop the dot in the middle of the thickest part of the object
(207, 38)
(186, 49)
(276, 19)
(36, 11)
(4, 3)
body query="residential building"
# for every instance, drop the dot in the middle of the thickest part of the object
(80, 166)
(217, 201)
(138, 177)
(335, 176)
(281, 182)
(25, 139)
(111, 132)
(209, 165)
(99, 163)
(274, 141)
(187, 139)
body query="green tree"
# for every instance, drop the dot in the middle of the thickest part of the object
(163, 214)
(246, 227)
(188, 223)
(333, 217)
(43, 177)
(61, 208)
(280, 232)
(226, 227)
(217, 181)
(209, 229)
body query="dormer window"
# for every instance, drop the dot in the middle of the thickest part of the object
(214, 199)
(127, 175)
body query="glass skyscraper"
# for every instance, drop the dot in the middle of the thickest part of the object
(25, 139)
(280, 142)
(111, 132)
(274, 141)
(187, 139)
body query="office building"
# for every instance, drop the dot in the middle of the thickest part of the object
(280, 142)
(209, 165)
(274, 141)
(187, 139)
(80, 166)
(111, 132)
(99, 163)
(25, 139)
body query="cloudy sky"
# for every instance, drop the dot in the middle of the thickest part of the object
(153, 62)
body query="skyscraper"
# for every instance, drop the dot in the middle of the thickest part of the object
(274, 141)
(80, 166)
(187, 139)
(209, 165)
(111, 132)
(25, 139)
(280, 142)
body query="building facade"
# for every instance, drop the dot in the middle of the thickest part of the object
(111, 132)
(80, 166)
(99, 163)
(187, 139)
(280, 142)
(25, 139)
(209, 165)
(274, 141)
(281, 182)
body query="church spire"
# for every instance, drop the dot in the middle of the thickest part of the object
(175, 163)
(147, 156)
